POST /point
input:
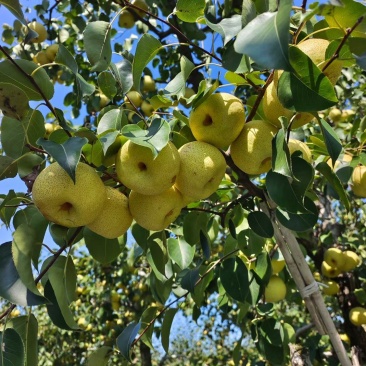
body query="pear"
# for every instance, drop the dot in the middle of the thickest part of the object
(357, 315)
(133, 99)
(218, 120)
(335, 115)
(155, 212)
(66, 203)
(359, 181)
(51, 51)
(331, 289)
(297, 145)
(148, 84)
(275, 290)
(115, 218)
(40, 29)
(335, 258)
(147, 108)
(329, 271)
(315, 49)
(139, 170)
(142, 5)
(126, 19)
(41, 58)
(352, 260)
(252, 150)
(277, 265)
(202, 169)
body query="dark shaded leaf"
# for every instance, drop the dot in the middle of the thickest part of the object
(126, 338)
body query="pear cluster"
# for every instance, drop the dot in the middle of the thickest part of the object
(47, 55)
(337, 261)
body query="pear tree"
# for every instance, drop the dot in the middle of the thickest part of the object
(202, 158)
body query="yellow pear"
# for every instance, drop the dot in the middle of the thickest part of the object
(297, 145)
(315, 49)
(359, 181)
(51, 51)
(114, 218)
(66, 203)
(201, 171)
(138, 170)
(148, 84)
(277, 264)
(218, 120)
(352, 260)
(335, 115)
(126, 19)
(275, 290)
(334, 257)
(357, 315)
(344, 337)
(252, 150)
(40, 29)
(41, 58)
(155, 212)
(329, 271)
(331, 289)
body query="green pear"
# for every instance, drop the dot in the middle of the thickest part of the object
(275, 290)
(147, 108)
(126, 19)
(114, 218)
(139, 170)
(329, 271)
(142, 5)
(51, 51)
(155, 212)
(148, 84)
(40, 29)
(359, 181)
(66, 203)
(335, 115)
(334, 257)
(252, 150)
(201, 171)
(133, 99)
(218, 120)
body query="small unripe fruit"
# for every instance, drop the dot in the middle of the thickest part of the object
(40, 29)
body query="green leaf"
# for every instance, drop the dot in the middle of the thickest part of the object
(300, 221)
(234, 61)
(19, 74)
(14, 7)
(101, 249)
(270, 32)
(199, 293)
(60, 285)
(8, 167)
(260, 223)
(250, 243)
(331, 139)
(97, 43)
(234, 278)
(180, 252)
(166, 326)
(27, 327)
(335, 182)
(194, 222)
(84, 88)
(263, 267)
(34, 219)
(107, 84)
(147, 47)
(12, 348)
(248, 12)
(281, 162)
(177, 86)
(28, 163)
(160, 290)
(228, 28)
(156, 258)
(189, 10)
(148, 316)
(24, 241)
(15, 134)
(295, 89)
(11, 286)
(190, 278)
(122, 72)
(64, 57)
(155, 137)
(112, 120)
(100, 356)
(66, 154)
(126, 338)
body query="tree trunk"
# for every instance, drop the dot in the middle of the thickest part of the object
(145, 355)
